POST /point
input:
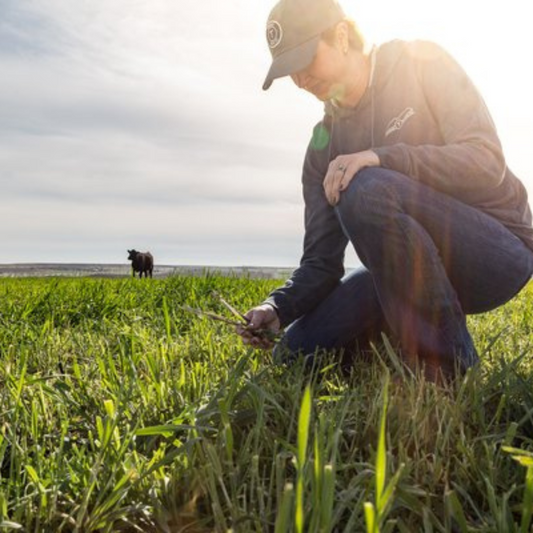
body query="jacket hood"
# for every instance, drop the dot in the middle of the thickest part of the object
(383, 59)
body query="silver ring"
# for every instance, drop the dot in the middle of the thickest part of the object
(342, 168)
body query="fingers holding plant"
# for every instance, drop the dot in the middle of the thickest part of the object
(262, 328)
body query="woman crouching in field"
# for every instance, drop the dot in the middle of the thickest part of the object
(406, 166)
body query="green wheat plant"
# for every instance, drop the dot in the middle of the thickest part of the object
(376, 513)
(120, 411)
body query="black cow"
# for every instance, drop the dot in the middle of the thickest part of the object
(141, 262)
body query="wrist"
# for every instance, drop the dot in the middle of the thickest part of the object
(274, 308)
(373, 159)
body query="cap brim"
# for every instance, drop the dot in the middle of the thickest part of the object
(292, 61)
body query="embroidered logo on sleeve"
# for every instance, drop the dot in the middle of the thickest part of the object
(397, 123)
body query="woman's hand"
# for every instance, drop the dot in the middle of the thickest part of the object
(261, 318)
(343, 169)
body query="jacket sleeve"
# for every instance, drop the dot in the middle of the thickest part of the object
(471, 154)
(321, 266)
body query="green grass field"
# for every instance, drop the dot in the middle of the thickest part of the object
(121, 412)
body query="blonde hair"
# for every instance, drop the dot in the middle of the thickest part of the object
(355, 37)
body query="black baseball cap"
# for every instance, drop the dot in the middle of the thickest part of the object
(293, 31)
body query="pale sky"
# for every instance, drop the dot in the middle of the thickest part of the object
(142, 123)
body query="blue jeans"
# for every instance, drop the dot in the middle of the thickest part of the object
(428, 261)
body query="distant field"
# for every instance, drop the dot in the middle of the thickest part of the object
(120, 411)
(122, 270)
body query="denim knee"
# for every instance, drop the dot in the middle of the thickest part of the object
(360, 203)
(286, 352)
(291, 344)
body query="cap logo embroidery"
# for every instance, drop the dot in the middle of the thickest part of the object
(274, 34)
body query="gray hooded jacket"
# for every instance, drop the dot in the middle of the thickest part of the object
(423, 117)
